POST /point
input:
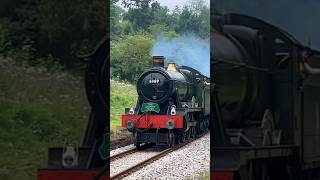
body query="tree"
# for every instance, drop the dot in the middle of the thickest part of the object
(139, 13)
(195, 17)
(160, 15)
(130, 56)
(115, 18)
(61, 29)
(136, 3)
(68, 26)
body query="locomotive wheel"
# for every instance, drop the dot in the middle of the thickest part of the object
(192, 132)
(182, 138)
(186, 127)
(197, 130)
(138, 145)
(180, 135)
(207, 125)
(187, 135)
(172, 140)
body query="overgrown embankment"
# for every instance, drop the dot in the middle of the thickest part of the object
(122, 95)
(38, 109)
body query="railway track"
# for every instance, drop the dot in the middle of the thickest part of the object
(145, 162)
(127, 152)
(122, 154)
(118, 143)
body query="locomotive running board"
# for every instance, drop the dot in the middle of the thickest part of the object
(186, 110)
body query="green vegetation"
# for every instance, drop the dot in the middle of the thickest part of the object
(133, 31)
(38, 109)
(122, 95)
(203, 176)
(61, 29)
(41, 102)
(130, 56)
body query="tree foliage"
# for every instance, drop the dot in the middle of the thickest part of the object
(130, 56)
(194, 17)
(134, 29)
(61, 29)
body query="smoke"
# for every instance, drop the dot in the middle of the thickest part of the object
(184, 50)
(298, 17)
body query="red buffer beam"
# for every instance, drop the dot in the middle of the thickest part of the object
(221, 175)
(76, 174)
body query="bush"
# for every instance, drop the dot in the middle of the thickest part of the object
(130, 56)
(38, 109)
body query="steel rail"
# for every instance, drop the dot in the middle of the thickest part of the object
(123, 154)
(128, 152)
(150, 160)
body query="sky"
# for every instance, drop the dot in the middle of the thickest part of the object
(171, 4)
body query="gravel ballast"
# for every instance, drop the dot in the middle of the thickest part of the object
(121, 150)
(121, 164)
(190, 161)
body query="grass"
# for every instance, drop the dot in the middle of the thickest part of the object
(38, 110)
(203, 176)
(122, 95)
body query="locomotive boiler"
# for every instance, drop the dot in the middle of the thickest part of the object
(265, 104)
(173, 105)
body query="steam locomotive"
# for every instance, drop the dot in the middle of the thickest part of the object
(173, 105)
(265, 107)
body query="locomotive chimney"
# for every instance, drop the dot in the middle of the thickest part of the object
(158, 61)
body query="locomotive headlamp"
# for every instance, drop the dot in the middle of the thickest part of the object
(171, 124)
(173, 111)
(129, 124)
(70, 155)
(131, 111)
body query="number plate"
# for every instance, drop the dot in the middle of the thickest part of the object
(150, 107)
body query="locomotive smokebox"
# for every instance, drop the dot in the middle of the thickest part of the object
(158, 61)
